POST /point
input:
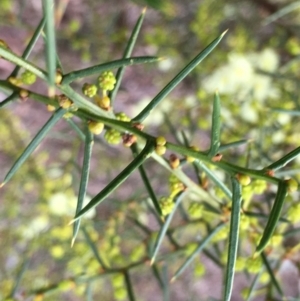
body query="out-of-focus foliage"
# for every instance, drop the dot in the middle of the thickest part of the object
(256, 72)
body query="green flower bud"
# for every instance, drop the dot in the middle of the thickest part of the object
(113, 136)
(254, 265)
(244, 180)
(166, 205)
(28, 78)
(117, 280)
(292, 185)
(122, 117)
(195, 210)
(103, 102)
(160, 150)
(161, 141)
(96, 127)
(199, 269)
(107, 81)
(89, 90)
(64, 101)
(58, 77)
(120, 293)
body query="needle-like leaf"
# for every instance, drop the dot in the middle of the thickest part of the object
(233, 238)
(274, 216)
(85, 172)
(216, 127)
(34, 143)
(177, 79)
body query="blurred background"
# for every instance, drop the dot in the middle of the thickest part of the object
(256, 71)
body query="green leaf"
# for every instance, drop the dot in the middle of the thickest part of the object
(177, 79)
(10, 56)
(76, 129)
(93, 248)
(214, 178)
(48, 9)
(70, 77)
(216, 127)
(147, 183)
(30, 45)
(34, 143)
(164, 228)
(274, 216)
(127, 54)
(284, 160)
(233, 238)
(117, 181)
(282, 12)
(272, 275)
(224, 147)
(89, 141)
(200, 247)
(129, 286)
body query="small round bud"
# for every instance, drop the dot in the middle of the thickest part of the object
(166, 205)
(102, 102)
(107, 81)
(15, 81)
(89, 90)
(243, 179)
(64, 101)
(122, 117)
(113, 136)
(292, 185)
(174, 161)
(96, 127)
(51, 108)
(28, 78)
(58, 77)
(68, 115)
(128, 139)
(160, 141)
(160, 150)
(23, 94)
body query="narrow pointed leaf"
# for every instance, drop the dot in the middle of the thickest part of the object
(70, 77)
(282, 12)
(76, 129)
(271, 273)
(19, 276)
(216, 127)
(127, 54)
(93, 248)
(289, 112)
(165, 227)
(274, 216)
(129, 286)
(30, 45)
(200, 247)
(147, 184)
(48, 8)
(214, 178)
(157, 276)
(227, 146)
(34, 143)
(284, 160)
(81, 102)
(10, 56)
(177, 79)
(85, 172)
(117, 181)
(233, 238)
(254, 285)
